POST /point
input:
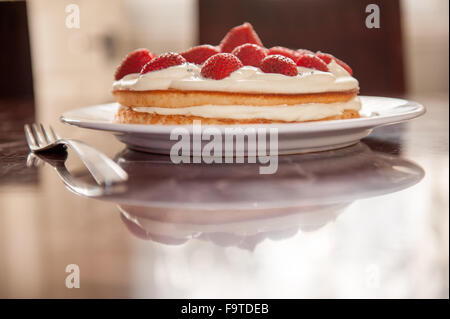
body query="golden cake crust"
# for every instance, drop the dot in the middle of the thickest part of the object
(126, 115)
(176, 98)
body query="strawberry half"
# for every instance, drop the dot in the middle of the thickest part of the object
(199, 54)
(239, 35)
(250, 54)
(133, 63)
(288, 53)
(279, 64)
(311, 61)
(163, 61)
(220, 66)
(326, 57)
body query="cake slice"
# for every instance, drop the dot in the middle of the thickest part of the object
(237, 82)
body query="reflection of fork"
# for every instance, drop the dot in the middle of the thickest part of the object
(51, 149)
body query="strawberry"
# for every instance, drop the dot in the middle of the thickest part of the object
(311, 61)
(199, 54)
(241, 34)
(250, 54)
(163, 61)
(220, 66)
(326, 57)
(284, 52)
(279, 64)
(133, 63)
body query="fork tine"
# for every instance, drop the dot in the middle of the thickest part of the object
(38, 135)
(33, 160)
(29, 136)
(47, 134)
(55, 136)
(30, 159)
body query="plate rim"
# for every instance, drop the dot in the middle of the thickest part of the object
(320, 126)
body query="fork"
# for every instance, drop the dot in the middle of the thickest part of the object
(104, 170)
(76, 184)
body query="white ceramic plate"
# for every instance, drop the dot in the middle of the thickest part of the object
(292, 138)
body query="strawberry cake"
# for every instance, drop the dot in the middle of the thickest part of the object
(237, 82)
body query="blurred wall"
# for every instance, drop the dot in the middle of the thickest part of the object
(15, 62)
(163, 25)
(336, 27)
(74, 67)
(425, 25)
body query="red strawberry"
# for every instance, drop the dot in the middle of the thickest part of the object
(133, 63)
(311, 61)
(163, 61)
(241, 34)
(220, 66)
(284, 52)
(303, 51)
(199, 54)
(250, 54)
(326, 57)
(279, 64)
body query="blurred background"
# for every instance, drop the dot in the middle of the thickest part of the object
(69, 66)
(50, 63)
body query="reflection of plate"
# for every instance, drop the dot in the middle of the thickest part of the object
(338, 176)
(292, 138)
(244, 229)
(232, 204)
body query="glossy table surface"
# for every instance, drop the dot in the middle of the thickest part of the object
(370, 220)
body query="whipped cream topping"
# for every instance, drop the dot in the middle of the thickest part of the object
(247, 79)
(288, 113)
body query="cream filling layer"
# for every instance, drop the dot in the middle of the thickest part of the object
(247, 79)
(291, 113)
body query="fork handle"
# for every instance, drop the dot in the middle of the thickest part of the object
(86, 189)
(78, 186)
(104, 170)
